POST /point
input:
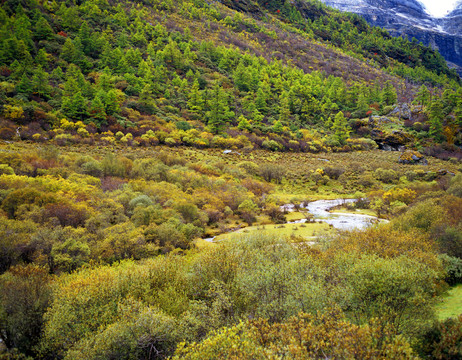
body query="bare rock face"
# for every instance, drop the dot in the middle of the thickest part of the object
(452, 23)
(408, 18)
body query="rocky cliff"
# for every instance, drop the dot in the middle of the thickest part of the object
(409, 18)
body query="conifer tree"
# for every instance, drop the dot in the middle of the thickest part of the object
(25, 85)
(389, 95)
(362, 105)
(243, 123)
(97, 110)
(75, 107)
(458, 113)
(423, 96)
(219, 112)
(68, 51)
(277, 127)
(195, 101)
(40, 82)
(112, 102)
(341, 128)
(42, 29)
(284, 109)
(241, 77)
(436, 120)
(42, 58)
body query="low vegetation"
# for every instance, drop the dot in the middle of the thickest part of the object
(132, 131)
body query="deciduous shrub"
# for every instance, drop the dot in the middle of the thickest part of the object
(271, 172)
(386, 176)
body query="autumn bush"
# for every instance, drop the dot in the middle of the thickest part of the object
(271, 172)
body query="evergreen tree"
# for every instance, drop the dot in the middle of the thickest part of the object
(71, 87)
(423, 96)
(22, 29)
(243, 124)
(341, 128)
(362, 105)
(389, 95)
(25, 85)
(40, 82)
(219, 112)
(241, 77)
(277, 127)
(57, 74)
(85, 38)
(195, 101)
(42, 30)
(68, 51)
(284, 109)
(449, 99)
(42, 58)
(111, 103)
(97, 109)
(75, 107)
(436, 120)
(458, 113)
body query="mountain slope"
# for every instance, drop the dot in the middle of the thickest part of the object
(248, 74)
(453, 21)
(409, 19)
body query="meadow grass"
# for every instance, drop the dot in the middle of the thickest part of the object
(451, 303)
(307, 231)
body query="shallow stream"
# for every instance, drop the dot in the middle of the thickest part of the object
(320, 211)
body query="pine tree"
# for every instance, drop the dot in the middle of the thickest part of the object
(362, 105)
(40, 82)
(85, 38)
(219, 112)
(436, 120)
(423, 96)
(284, 109)
(241, 77)
(195, 101)
(42, 30)
(458, 113)
(243, 124)
(97, 110)
(75, 107)
(389, 95)
(42, 58)
(341, 128)
(68, 52)
(25, 85)
(112, 102)
(277, 127)
(260, 100)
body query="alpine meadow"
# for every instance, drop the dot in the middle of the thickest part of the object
(232, 179)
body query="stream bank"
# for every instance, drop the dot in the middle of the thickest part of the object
(320, 213)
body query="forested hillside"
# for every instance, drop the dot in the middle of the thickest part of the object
(156, 163)
(209, 76)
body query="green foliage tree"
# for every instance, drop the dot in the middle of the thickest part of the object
(388, 94)
(341, 128)
(423, 96)
(219, 112)
(111, 102)
(195, 99)
(75, 107)
(97, 109)
(42, 29)
(436, 120)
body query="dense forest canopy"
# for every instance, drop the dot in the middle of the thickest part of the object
(209, 76)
